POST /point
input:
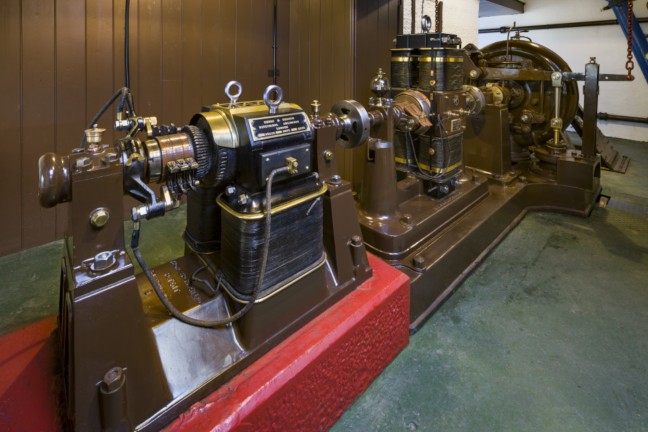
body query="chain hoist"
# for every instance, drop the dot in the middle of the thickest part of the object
(630, 64)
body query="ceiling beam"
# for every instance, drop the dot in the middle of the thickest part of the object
(516, 6)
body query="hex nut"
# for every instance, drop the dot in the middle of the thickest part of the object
(103, 260)
(112, 379)
(335, 179)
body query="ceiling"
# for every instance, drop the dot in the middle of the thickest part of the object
(488, 8)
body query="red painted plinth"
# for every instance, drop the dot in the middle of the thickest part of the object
(305, 383)
(29, 379)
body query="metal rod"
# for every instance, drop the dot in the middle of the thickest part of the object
(560, 25)
(274, 47)
(618, 117)
(557, 94)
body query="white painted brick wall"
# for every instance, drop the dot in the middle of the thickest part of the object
(577, 45)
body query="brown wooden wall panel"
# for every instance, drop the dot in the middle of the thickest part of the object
(170, 66)
(10, 122)
(336, 48)
(321, 55)
(62, 60)
(70, 86)
(376, 28)
(149, 58)
(192, 67)
(38, 116)
(377, 23)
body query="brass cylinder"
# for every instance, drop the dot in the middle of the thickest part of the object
(164, 149)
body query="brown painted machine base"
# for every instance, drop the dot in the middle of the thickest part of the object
(190, 362)
(450, 252)
(195, 360)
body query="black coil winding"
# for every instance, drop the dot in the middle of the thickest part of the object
(202, 150)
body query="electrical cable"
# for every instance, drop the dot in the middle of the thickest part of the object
(126, 96)
(203, 281)
(121, 92)
(264, 260)
(446, 146)
(446, 152)
(126, 53)
(418, 166)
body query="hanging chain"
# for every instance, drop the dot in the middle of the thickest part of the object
(630, 64)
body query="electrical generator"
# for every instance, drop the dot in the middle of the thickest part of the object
(271, 240)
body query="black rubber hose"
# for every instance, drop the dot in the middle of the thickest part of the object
(264, 260)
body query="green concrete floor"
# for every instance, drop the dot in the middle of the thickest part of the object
(549, 333)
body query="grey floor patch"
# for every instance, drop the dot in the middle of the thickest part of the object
(627, 207)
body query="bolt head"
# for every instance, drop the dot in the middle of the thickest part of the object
(111, 157)
(82, 162)
(99, 217)
(230, 190)
(419, 262)
(243, 199)
(328, 155)
(473, 73)
(335, 179)
(356, 240)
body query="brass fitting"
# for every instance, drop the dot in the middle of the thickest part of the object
(292, 165)
(99, 217)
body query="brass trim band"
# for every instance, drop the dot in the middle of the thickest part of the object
(428, 168)
(401, 59)
(275, 209)
(441, 59)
